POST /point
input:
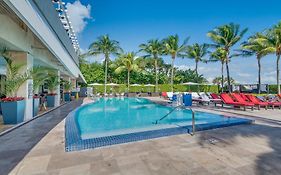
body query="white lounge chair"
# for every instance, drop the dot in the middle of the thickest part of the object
(170, 95)
(204, 97)
(195, 96)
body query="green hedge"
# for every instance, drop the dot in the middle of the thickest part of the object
(161, 88)
(273, 89)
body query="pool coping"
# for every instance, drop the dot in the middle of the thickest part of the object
(73, 141)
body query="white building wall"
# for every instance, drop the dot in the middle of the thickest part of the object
(30, 15)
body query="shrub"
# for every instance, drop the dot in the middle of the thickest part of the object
(161, 88)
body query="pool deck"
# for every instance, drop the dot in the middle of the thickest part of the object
(243, 149)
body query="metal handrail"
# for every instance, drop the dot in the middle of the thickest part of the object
(166, 115)
(193, 121)
(193, 118)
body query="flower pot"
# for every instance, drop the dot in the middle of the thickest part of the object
(74, 94)
(13, 111)
(67, 96)
(51, 100)
(36, 102)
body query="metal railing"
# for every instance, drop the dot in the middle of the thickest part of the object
(193, 118)
(193, 121)
(156, 122)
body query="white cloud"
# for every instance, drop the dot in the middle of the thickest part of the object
(241, 74)
(78, 14)
(184, 67)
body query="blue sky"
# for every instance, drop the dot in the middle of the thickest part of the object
(132, 22)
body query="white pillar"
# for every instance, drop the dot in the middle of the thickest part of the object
(73, 82)
(26, 89)
(57, 100)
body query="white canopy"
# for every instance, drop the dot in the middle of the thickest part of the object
(151, 85)
(135, 85)
(95, 84)
(112, 84)
(190, 83)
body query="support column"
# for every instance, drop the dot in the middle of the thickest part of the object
(26, 89)
(73, 82)
(57, 100)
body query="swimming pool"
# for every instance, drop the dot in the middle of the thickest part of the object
(118, 120)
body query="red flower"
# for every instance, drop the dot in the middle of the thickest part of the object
(9, 99)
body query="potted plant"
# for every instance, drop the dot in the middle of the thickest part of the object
(52, 82)
(39, 75)
(13, 107)
(67, 88)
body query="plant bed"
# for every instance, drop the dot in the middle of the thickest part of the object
(13, 110)
(67, 96)
(36, 103)
(51, 98)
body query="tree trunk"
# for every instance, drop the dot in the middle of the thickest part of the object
(156, 74)
(128, 81)
(172, 74)
(222, 78)
(277, 73)
(259, 75)
(105, 73)
(196, 68)
(228, 77)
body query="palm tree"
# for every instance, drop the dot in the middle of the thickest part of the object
(273, 40)
(126, 61)
(219, 80)
(173, 48)
(153, 48)
(197, 52)
(105, 46)
(14, 79)
(226, 36)
(254, 46)
(39, 76)
(219, 55)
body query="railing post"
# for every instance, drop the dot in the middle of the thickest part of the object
(193, 122)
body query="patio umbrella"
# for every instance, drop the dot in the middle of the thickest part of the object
(95, 84)
(191, 84)
(112, 84)
(135, 85)
(149, 85)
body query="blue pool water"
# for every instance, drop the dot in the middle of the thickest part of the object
(118, 120)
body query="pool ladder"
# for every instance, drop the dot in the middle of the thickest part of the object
(193, 118)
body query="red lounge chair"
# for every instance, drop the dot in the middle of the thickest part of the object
(239, 99)
(270, 103)
(258, 103)
(229, 101)
(215, 96)
(164, 95)
(244, 97)
(216, 99)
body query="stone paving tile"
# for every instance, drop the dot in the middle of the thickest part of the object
(74, 170)
(17, 143)
(59, 161)
(104, 167)
(244, 149)
(34, 165)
